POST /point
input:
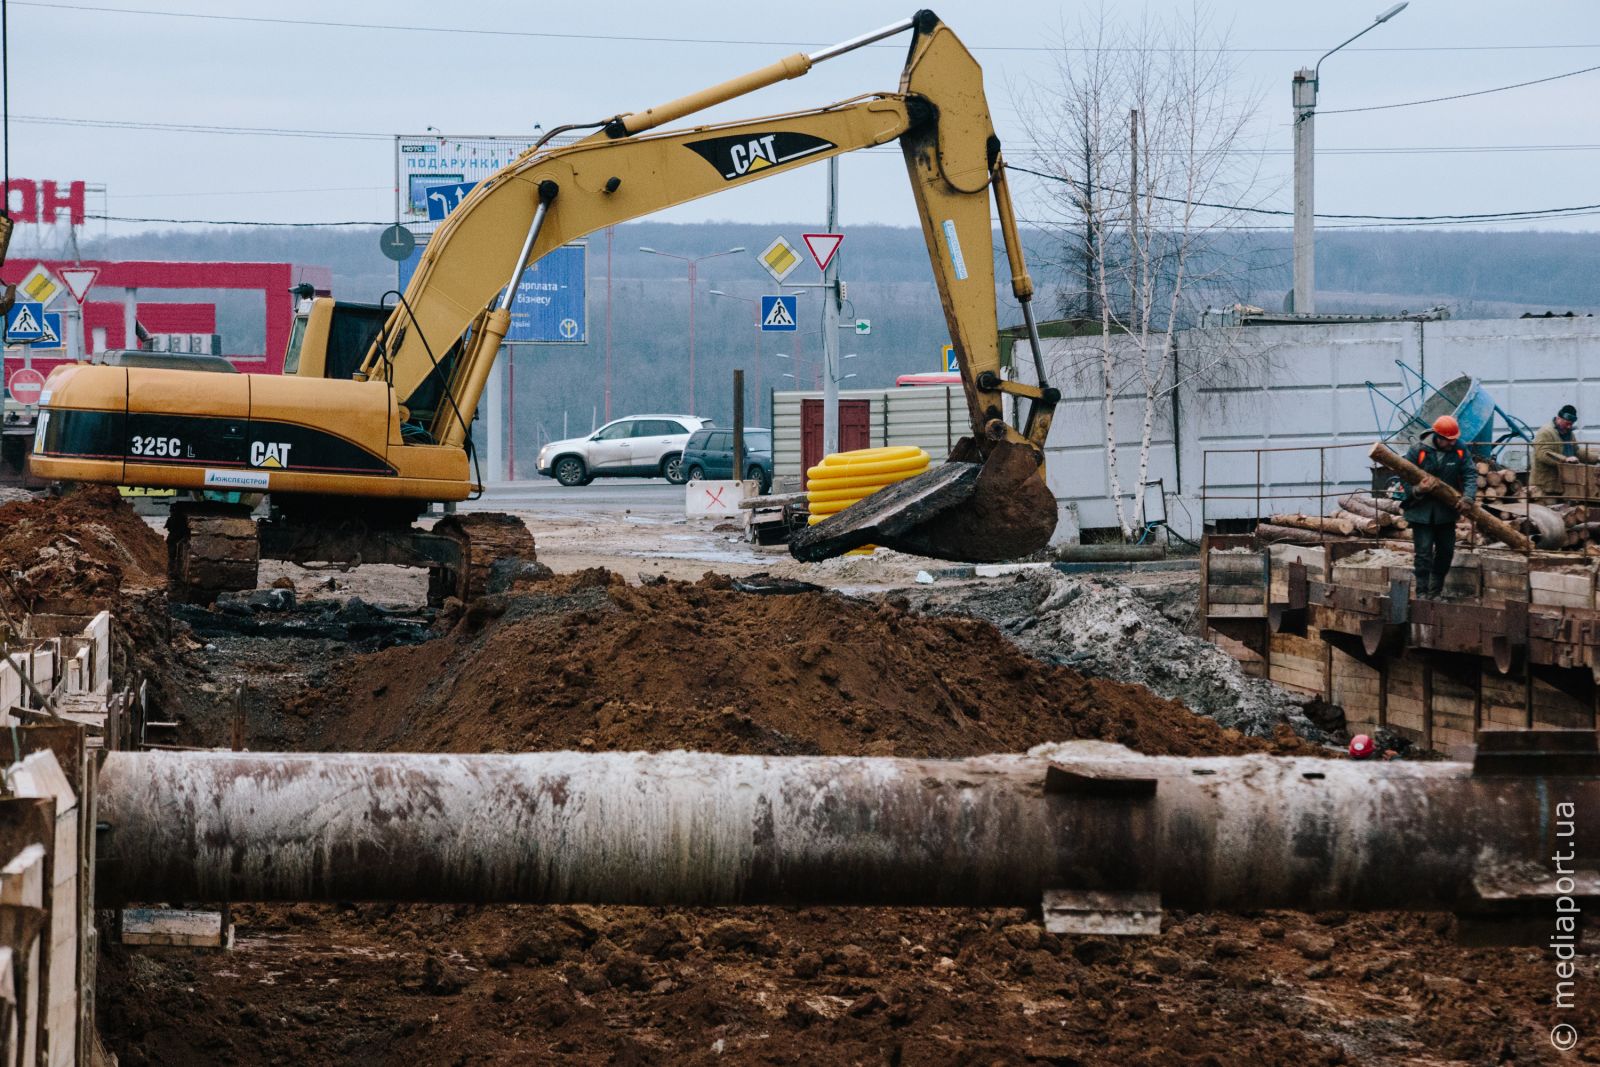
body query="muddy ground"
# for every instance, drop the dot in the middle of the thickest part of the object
(588, 661)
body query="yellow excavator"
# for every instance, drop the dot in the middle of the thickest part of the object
(369, 423)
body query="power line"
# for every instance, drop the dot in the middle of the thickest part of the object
(1501, 216)
(651, 39)
(376, 135)
(1460, 96)
(250, 192)
(194, 127)
(229, 222)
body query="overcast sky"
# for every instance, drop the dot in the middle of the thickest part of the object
(1534, 147)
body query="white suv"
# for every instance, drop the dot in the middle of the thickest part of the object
(638, 446)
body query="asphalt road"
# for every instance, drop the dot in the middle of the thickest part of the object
(641, 496)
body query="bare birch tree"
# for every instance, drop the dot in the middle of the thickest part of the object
(1143, 132)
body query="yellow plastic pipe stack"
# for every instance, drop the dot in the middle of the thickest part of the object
(846, 477)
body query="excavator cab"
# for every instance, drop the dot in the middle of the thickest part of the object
(330, 337)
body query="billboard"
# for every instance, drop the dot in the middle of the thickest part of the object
(431, 161)
(552, 301)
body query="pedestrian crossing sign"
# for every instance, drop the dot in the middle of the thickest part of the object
(25, 322)
(778, 315)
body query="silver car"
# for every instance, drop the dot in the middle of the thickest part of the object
(637, 446)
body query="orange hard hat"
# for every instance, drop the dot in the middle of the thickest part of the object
(1447, 426)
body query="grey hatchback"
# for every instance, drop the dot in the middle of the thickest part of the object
(709, 454)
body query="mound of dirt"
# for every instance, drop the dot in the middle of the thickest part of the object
(1107, 630)
(587, 662)
(78, 551)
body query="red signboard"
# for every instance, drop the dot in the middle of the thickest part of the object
(46, 202)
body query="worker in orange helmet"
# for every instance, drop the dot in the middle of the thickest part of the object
(1433, 522)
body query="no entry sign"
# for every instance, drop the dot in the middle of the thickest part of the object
(25, 385)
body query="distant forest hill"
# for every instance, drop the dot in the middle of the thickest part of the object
(559, 389)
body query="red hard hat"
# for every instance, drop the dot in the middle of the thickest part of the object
(1447, 426)
(1362, 746)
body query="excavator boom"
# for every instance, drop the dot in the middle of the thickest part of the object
(940, 118)
(396, 429)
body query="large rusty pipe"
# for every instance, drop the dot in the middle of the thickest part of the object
(691, 828)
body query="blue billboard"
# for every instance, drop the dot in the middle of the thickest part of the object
(551, 306)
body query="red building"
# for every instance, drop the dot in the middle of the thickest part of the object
(105, 311)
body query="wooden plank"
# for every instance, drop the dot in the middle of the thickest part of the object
(1236, 611)
(1497, 715)
(1220, 595)
(1219, 563)
(1312, 557)
(1564, 579)
(1252, 577)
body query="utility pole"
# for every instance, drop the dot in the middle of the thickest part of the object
(611, 233)
(1305, 112)
(830, 324)
(1305, 86)
(694, 276)
(738, 424)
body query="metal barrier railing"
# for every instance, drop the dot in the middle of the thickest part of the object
(1579, 485)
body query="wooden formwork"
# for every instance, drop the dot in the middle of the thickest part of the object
(1515, 642)
(55, 695)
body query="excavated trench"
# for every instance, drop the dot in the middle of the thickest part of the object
(586, 661)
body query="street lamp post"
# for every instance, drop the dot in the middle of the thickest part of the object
(694, 275)
(1305, 85)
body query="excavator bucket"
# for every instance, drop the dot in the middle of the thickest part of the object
(965, 510)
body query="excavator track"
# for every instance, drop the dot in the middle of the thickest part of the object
(211, 549)
(484, 538)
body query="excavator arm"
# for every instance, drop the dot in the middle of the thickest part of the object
(991, 501)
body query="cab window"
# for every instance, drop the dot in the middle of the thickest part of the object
(615, 432)
(297, 337)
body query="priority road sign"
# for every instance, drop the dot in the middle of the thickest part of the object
(778, 314)
(39, 286)
(823, 246)
(780, 258)
(25, 322)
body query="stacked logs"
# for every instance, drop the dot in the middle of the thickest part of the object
(1376, 515)
(1359, 515)
(1497, 483)
(1583, 526)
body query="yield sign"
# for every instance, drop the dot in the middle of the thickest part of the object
(78, 280)
(823, 246)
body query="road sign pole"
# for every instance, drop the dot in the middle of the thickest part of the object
(830, 324)
(130, 318)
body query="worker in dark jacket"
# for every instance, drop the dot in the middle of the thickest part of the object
(1433, 522)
